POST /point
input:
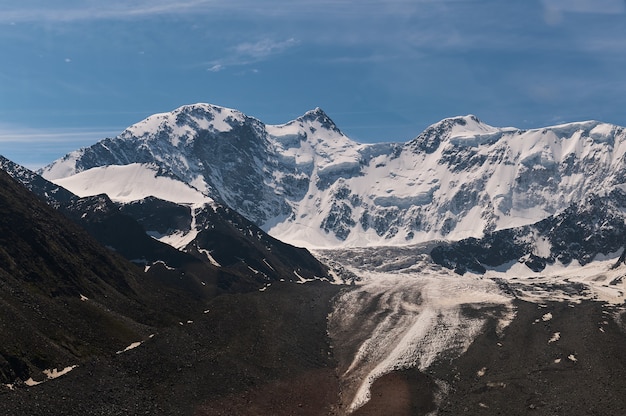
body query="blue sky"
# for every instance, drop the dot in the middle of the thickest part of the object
(75, 71)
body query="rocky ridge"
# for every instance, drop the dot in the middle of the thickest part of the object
(593, 227)
(202, 239)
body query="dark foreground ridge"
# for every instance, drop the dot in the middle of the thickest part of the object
(259, 353)
(147, 343)
(62, 296)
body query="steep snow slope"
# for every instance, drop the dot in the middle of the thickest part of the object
(589, 229)
(307, 183)
(131, 183)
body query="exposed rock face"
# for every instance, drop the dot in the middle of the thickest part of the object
(595, 226)
(52, 194)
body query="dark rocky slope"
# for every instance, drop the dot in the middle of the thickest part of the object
(54, 195)
(581, 232)
(248, 257)
(258, 353)
(47, 265)
(66, 300)
(582, 373)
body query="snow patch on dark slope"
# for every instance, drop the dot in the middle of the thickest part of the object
(221, 236)
(308, 184)
(63, 297)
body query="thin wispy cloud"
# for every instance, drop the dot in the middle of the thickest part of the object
(33, 148)
(216, 68)
(25, 136)
(555, 11)
(250, 53)
(362, 59)
(61, 12)
(342, 20)
(586, 6)
(64, 11)
(615, 48)
(264, 48)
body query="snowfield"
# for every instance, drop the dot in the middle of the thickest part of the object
(127, 183)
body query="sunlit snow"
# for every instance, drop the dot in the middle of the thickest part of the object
(207, 253)
(54, 373)
(180, 239)
(130, 347)
(148, 267)
(131, 183)
(321, 189)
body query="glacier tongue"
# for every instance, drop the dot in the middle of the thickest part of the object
(307, 183)
(405, 312)
(422, 322)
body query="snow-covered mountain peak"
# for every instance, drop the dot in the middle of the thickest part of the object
(318, 116)
(470, 126)
(459, 131)
(314, 126)
(597, 131)
(184, 122)
(465, 125)
(313, 143)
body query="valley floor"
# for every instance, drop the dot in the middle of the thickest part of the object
(404, 340)
(520, 372)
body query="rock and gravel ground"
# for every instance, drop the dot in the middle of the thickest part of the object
(268, 353)
(523, 371)
(259, 353)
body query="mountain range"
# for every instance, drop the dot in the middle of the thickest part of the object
(308, 184)
(168, 258)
